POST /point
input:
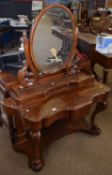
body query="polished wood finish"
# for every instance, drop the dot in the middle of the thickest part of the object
(37, 116)
(42, 108)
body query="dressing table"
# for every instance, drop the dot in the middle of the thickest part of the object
(55, 96)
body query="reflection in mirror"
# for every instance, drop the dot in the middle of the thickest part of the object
(52, 40)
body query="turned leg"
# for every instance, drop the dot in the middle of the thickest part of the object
(105, 75)
(3, 95)
(36, 161)
(99, 107)
(94, 72)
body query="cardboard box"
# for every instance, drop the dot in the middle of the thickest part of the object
(104, 43)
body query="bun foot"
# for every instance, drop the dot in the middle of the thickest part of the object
(95, 130)
(36, 166)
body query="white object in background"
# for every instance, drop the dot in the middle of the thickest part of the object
(37, 5)
(104, 44)
(21, 48)
(54, 53)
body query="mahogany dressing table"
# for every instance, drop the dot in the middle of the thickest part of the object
(55, 97)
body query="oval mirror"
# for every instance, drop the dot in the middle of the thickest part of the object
(52, 39)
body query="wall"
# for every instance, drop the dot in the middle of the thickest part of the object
(11, 8)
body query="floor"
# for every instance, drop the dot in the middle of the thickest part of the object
(75, 154)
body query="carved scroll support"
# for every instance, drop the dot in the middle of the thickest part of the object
(101, 106)
(80, 123)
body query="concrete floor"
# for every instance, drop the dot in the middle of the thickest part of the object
(74, 154)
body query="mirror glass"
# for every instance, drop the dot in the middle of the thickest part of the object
(52, 40)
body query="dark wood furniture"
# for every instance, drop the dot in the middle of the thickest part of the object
(86, 44)
(105, 60)
(54, 98)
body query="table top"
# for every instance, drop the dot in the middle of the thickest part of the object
(108, 55)
(60, 103)
(87, 37)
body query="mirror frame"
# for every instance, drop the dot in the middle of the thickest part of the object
(29, 52)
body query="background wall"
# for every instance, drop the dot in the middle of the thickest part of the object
(11, 8)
